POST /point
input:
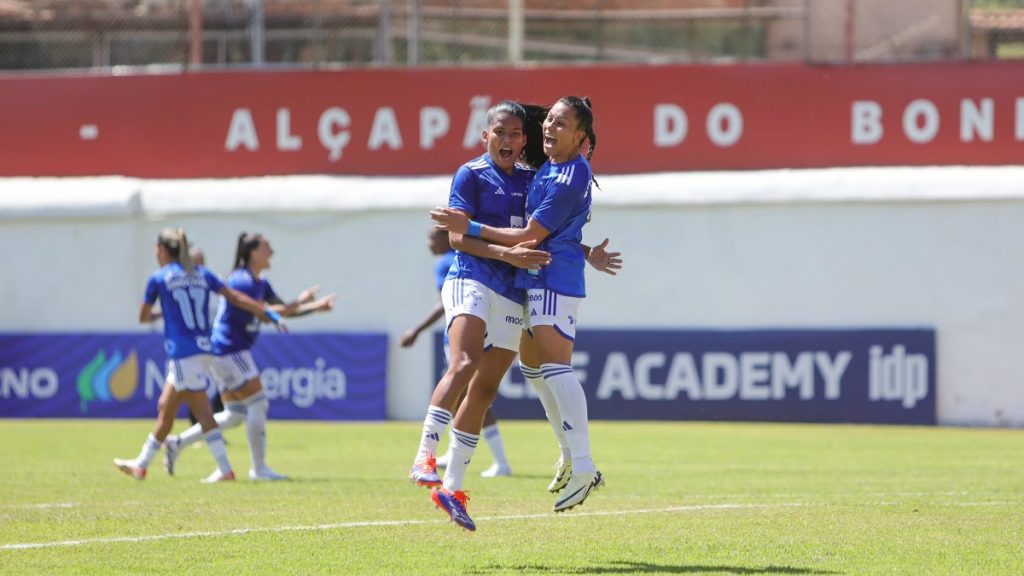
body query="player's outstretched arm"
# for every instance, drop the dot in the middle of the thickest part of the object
(601, 259)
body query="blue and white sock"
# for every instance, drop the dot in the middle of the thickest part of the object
(463, 446)
(150, 448)
(492, 436)
(547, 400)
(434, 425)
(215, 442)
(256, 429)
(572, 404)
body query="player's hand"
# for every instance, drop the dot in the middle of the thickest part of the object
(309, 294)
(601, 259)
(450, 220)
(326, 304)
(408, 338)
(523, 256)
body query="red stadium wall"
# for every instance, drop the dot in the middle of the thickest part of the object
(418, 122)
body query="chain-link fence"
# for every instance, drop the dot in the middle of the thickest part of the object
(63, 34)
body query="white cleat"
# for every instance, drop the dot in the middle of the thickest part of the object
(172, 450)
(580, 486)
(265, 474)
(496, 470)
(563, 470)
(219, 476)
(131, 468)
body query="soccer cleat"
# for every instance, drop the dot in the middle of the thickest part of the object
(454, 503)
(563, 470)
(265, 473)
(580, 486)
(424, 473)
(171, 452)
(219, 476)
(496, 470)
(131, 468)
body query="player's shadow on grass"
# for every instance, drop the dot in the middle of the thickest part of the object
(626, 567)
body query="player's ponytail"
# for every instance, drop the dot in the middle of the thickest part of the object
(183, 254)
(246, 244)
(533, 128)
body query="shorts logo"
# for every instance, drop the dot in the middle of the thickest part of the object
(533, 312)
(513, 320)
(572, 321)
(536, 297)
(106, 379)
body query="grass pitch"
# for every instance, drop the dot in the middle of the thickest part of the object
(681, 498)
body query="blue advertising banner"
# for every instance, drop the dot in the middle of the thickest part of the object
(323, 376)
(856, 376)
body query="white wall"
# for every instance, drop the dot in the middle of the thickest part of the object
(833, 248)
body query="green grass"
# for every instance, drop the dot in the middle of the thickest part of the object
(681, 498)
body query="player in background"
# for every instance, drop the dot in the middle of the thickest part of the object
(558, 206)
(184, 291)
(235, 332)
(440, 247)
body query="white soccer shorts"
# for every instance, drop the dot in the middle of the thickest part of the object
(191, 374)
(546, 308)
(235, 369)
(504, 318)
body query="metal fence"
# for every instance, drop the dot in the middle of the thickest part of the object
(180, 34)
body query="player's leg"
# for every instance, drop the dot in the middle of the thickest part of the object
(465, 310)
(231, 377)
(492, 435)
(501, 342)
(554, 332)
(529, 363)
(200, 405)
(167, 407)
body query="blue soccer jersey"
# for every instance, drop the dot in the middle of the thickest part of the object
(490, 196)
(236, 329)
(559, 200)
(184, 301)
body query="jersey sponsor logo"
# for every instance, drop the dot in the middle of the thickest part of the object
(107, 378)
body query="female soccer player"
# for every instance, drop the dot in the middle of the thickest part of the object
(483, 308)
(184, 291)
(558, 206)
(234, 334)
(440, 246)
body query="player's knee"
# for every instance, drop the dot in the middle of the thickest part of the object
(234, 414)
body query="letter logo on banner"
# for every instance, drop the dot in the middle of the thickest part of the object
(334, 140)
(242, 132)
(478, 106)
(866, 122)
(106, 379)
(670, 125)
(433, 125)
